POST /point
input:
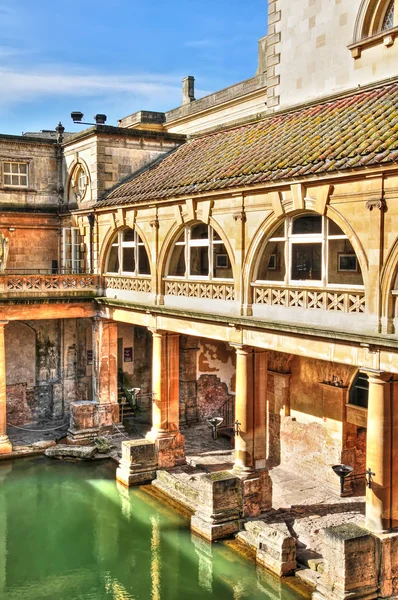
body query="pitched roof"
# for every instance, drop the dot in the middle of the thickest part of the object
(352, 131)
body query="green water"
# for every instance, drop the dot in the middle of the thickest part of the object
(68, 532)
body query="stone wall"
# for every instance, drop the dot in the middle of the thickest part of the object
(45, 368)
(215, 377)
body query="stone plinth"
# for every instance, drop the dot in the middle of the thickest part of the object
(170, 450)
(220, 511)
(277, 549)
(5, 445)
(388, 565)
(256, 490)
(89, 419)
(351, 564)
(84, 424)
(138, 463)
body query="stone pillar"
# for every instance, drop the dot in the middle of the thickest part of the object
(378, 453)
(5, 444)
(244, 440)
(250, 438)
(88, 419)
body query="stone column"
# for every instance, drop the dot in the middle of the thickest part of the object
(166, 399)
(5, 444)
(88, 419)
(251, 438)
(378, 453)
(244, 443)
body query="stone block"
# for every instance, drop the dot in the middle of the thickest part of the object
(138, 463)
(257, 493)
(84, 425)
(277, 549)
(351, 564)
(388, 564)
(220, 510)
(170, 450)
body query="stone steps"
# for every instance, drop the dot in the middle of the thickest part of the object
(179, 485)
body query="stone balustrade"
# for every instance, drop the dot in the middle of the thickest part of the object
(200, 289)
(132, 284)
(340, 300)
(48, 285)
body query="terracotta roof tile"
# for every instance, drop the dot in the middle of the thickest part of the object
(358, 130)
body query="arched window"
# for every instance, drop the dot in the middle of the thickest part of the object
(128, 255)
(309, 250)
(388, 20)
(199, 253)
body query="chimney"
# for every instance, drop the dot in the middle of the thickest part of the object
(188, 89)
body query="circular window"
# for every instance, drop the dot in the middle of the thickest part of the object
(80, 182)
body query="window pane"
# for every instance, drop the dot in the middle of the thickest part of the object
(200, 232)
(334, 229)
(343, 266)
(15, 180)
(215, 235)
(7, 179)
(307, 224)
(143, 261)
(22, 168)
(128, 235)
(272, 264)
(199, 261)
(359, 391)
(388, 21)
(280, 231)
(221, 265)
(113, 260)
(177, 262)
(306, 261)
(14, 168)
(7, 167)
(128, 260)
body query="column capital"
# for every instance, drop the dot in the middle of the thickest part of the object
(241, 348)
(157, 332)
(3, 323)
(376, 376)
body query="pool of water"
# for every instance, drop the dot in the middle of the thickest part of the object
(69, 532)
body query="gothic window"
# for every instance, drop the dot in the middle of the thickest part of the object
(388, 20)
(199, 253)
(128, 255)
(309, 250)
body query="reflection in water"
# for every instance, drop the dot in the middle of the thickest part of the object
(155, 553)
(67, 532)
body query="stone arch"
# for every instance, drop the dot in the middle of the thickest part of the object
(370, 18)
(171, 237)
(107, 241)
(269, 224)
(388, 278)
(73, 168)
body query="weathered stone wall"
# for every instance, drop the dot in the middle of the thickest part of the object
(40, 156)
(189, 347)
(45, 368)
(215, 377)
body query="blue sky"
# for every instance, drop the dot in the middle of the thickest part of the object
(118, 56)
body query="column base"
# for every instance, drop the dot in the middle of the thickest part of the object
(5, 445)
(138, 463)
(90, 419)
(256, 490)
(170, 448)
(220, 512)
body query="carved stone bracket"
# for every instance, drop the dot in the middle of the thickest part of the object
(154, 223)
(379, 203)
(240, 216)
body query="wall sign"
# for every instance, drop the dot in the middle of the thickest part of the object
(89, 357)
(128, 354)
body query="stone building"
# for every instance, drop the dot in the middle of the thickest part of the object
(236, 256)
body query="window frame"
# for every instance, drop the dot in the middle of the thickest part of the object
(118, 241)
(71, 252)
(213, 239)
(19, 175)
(289, 239)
